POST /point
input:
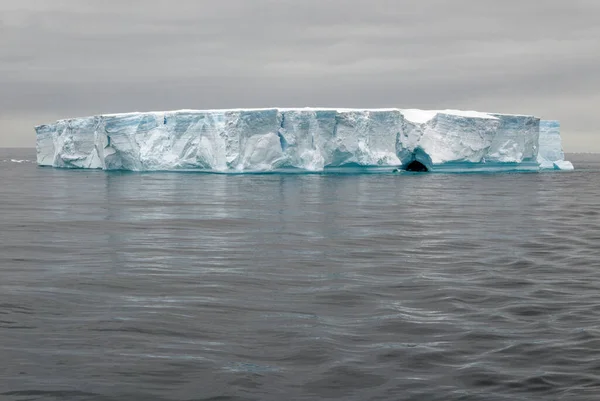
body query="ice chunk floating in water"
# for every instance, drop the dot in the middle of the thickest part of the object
(303, 139)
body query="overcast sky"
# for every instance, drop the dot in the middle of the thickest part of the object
(68, 58)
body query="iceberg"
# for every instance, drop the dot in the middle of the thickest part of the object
(303, 139)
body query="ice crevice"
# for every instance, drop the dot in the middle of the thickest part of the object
(303, 139)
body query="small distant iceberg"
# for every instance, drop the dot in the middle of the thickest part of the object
(303, 140)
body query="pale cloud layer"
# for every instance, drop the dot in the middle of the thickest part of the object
(61, 58)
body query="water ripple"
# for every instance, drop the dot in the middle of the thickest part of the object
(376, 287)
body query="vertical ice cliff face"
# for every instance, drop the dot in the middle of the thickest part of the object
(313, 139)
(207, 140)
(551, 155)
(124, 137)
(69, 143)
(45, 149)
(258, 145)
(366, 138)
(307, 138)
(455, 140)
(516, 139)
(246, 140)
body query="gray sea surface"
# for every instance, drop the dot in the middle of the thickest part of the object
(187, 286)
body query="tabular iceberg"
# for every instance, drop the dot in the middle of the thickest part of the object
(303, 139)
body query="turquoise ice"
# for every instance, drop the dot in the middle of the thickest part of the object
(303, 139)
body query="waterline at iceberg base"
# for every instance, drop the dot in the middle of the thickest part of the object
(303, 139)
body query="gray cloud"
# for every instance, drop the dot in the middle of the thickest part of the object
(67, 58)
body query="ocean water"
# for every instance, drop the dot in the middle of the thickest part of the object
(182, 286)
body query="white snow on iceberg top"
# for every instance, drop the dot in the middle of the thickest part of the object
(309, 139)
(418, 116)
